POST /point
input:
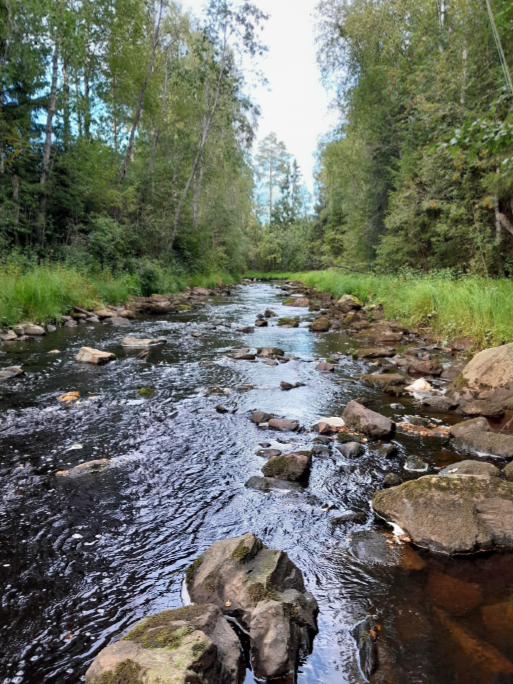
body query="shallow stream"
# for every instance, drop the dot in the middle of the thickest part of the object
(83, 559)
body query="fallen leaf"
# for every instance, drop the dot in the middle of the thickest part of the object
(228, 604)
(372, 633)
(54, 351)
(75, 446)
(69, 636)
(378, 627)
(69, 397)
(62, 472)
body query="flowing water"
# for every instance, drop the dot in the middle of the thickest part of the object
(82, 559)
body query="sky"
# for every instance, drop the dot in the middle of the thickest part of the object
(294, 104)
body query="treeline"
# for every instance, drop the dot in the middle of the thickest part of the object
(125, 134)
(419, 173)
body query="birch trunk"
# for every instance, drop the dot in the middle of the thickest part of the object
(138, 110)
(48, 143)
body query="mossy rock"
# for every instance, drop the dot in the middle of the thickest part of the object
(286, 322)
(146, 392)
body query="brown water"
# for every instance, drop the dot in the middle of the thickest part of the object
(182, 488)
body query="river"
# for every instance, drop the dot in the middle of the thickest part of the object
(82, 559)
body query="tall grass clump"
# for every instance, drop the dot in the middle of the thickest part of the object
(453, 307)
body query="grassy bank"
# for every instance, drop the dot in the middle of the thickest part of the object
(42, 293)
(479, 308)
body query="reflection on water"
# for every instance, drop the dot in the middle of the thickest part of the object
(81, 560)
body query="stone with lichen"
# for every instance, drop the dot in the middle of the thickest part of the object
(194, 643)
(264, 591)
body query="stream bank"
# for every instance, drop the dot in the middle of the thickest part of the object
(84, 559)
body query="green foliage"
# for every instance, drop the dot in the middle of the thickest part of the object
(420, 173)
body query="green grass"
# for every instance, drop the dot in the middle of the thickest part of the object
(470, 306)
(40, 294)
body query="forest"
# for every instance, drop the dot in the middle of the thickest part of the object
(128, 153)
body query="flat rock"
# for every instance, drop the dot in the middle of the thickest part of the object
(116, 321)
(95, 356)
(486, 444)
(473, 425)
(140, 342)
(260, 417)
(351, 449)
(246, 329)
(293, 467)
(362, 419)
(269, 352)
(283, 424)
(297, 301)
(33, 330)
(375, 352)
(265, 592)
(285, 322)
(10, 372)
(8, 336)
(190, 644)
(268, 453)
(89, 468)
(455, 514)
(383, 380)
(327, 425)
(266, 484)
(481, 407)
(415, 465)
(126, 313)
(324, 366)
(104, 313)
(70, 324)
(478, 468)
(440, 403)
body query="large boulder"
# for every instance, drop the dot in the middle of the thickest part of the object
(95, 356)
(481, 407)
(362, 419)
(291, 467)
(488, 376)
(194, 644)
(259, 417)
(264, 591)
(347, 303)
(452, 514)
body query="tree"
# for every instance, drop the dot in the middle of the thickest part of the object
(272, 167)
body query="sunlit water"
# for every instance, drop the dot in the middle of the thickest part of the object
(81, 560)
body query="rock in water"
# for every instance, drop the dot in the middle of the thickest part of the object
(478, 468)
(481, 442)
(95, 356)
(325, 366)
(264, 591)
(321, 324)
(283, 424)
(363, 633)
(269, 352)
(10, 372)
(190, 644)
(452, 514)
(291, 467)
(364, 420)
(473, 425)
